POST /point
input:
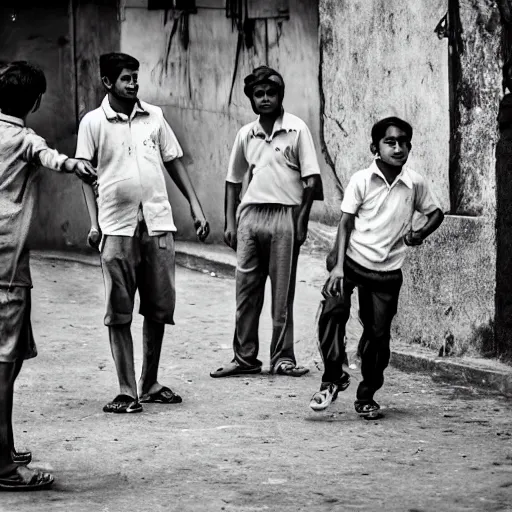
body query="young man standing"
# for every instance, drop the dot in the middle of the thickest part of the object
(271, 223)
(373, 233)
(133, 146)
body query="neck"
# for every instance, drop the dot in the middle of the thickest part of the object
(390, 172)
(120, 104)
(267, 121)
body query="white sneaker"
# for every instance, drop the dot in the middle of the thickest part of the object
(323, 398)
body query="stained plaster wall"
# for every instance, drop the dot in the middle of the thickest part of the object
(383, 58)
(193, 86)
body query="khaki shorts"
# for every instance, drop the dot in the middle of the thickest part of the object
(16, 338)
(142, 262)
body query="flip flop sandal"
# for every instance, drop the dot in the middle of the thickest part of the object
(290, 370)
(20, 480)
(369, 410)
(22, 458)
(233, 370)
(123, 404)
(163, 396)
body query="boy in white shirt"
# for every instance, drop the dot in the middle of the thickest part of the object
(134, 146)
(374, 230)
(269, 225)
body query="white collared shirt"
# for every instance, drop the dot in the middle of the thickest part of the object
(129, 153)
(278, 163)
(383, 215)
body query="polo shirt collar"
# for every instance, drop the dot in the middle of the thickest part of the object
(112, 115)
(282, 124)
(12, 120)
(404, 176)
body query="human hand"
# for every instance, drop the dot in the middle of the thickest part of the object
(82, 168)
(230, 237)
(333, 287)
(94, 238)
(202, 228)
(413, 238)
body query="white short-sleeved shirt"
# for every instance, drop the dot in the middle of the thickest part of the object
(129, 153)
(278, 163)
(383, 215)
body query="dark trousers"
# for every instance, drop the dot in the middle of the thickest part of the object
(378, 301)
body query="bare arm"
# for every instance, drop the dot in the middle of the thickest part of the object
(435, 219)
(231, 202)
(312, 184)
(94, 236)
(180, 176)
(333, 285)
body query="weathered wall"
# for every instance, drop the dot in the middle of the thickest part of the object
(48, 43)
(58, 37)
(383, 58)
(193, 86)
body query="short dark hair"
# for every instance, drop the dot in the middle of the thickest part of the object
(21, 85)
(380, 127)
(111, 65)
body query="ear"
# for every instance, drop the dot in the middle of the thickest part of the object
(373, 149)
(409, 146)
(106, 82)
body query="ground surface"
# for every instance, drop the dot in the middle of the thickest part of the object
(245, 444)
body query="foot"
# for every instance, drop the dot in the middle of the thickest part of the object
(368, 409)
(233, 369)
(123, 404)
(26, 479)
(328, 393)
(163, 396)
(290, 369)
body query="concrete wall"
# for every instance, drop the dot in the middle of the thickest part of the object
(48, 43)
(193, 86)
(383, 58)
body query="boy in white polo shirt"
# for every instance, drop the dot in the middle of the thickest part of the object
(134, 146)
(271, 223)
(374, 230)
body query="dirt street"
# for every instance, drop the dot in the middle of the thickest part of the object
(243, 444)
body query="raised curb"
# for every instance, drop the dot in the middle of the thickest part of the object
(221, 262)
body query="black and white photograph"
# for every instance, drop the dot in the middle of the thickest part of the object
(256, 255)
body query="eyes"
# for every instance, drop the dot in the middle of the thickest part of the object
(129, 78)
(271, 93)
(392, 142)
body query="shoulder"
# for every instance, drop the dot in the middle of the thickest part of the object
(94, 117)
(292, 122)
(153, 110)
(362, 176)
(246, 130)
(415, 177)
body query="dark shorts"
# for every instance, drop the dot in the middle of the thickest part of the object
(16, 338)
(142, 262)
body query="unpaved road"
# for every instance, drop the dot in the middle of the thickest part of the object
(245, 444)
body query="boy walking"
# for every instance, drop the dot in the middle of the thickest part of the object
(22, 86)
(133, 146)
(271, 224)
(373, 233)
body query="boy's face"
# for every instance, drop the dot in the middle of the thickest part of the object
(394, 147)
(266, 99)
(126, 86)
